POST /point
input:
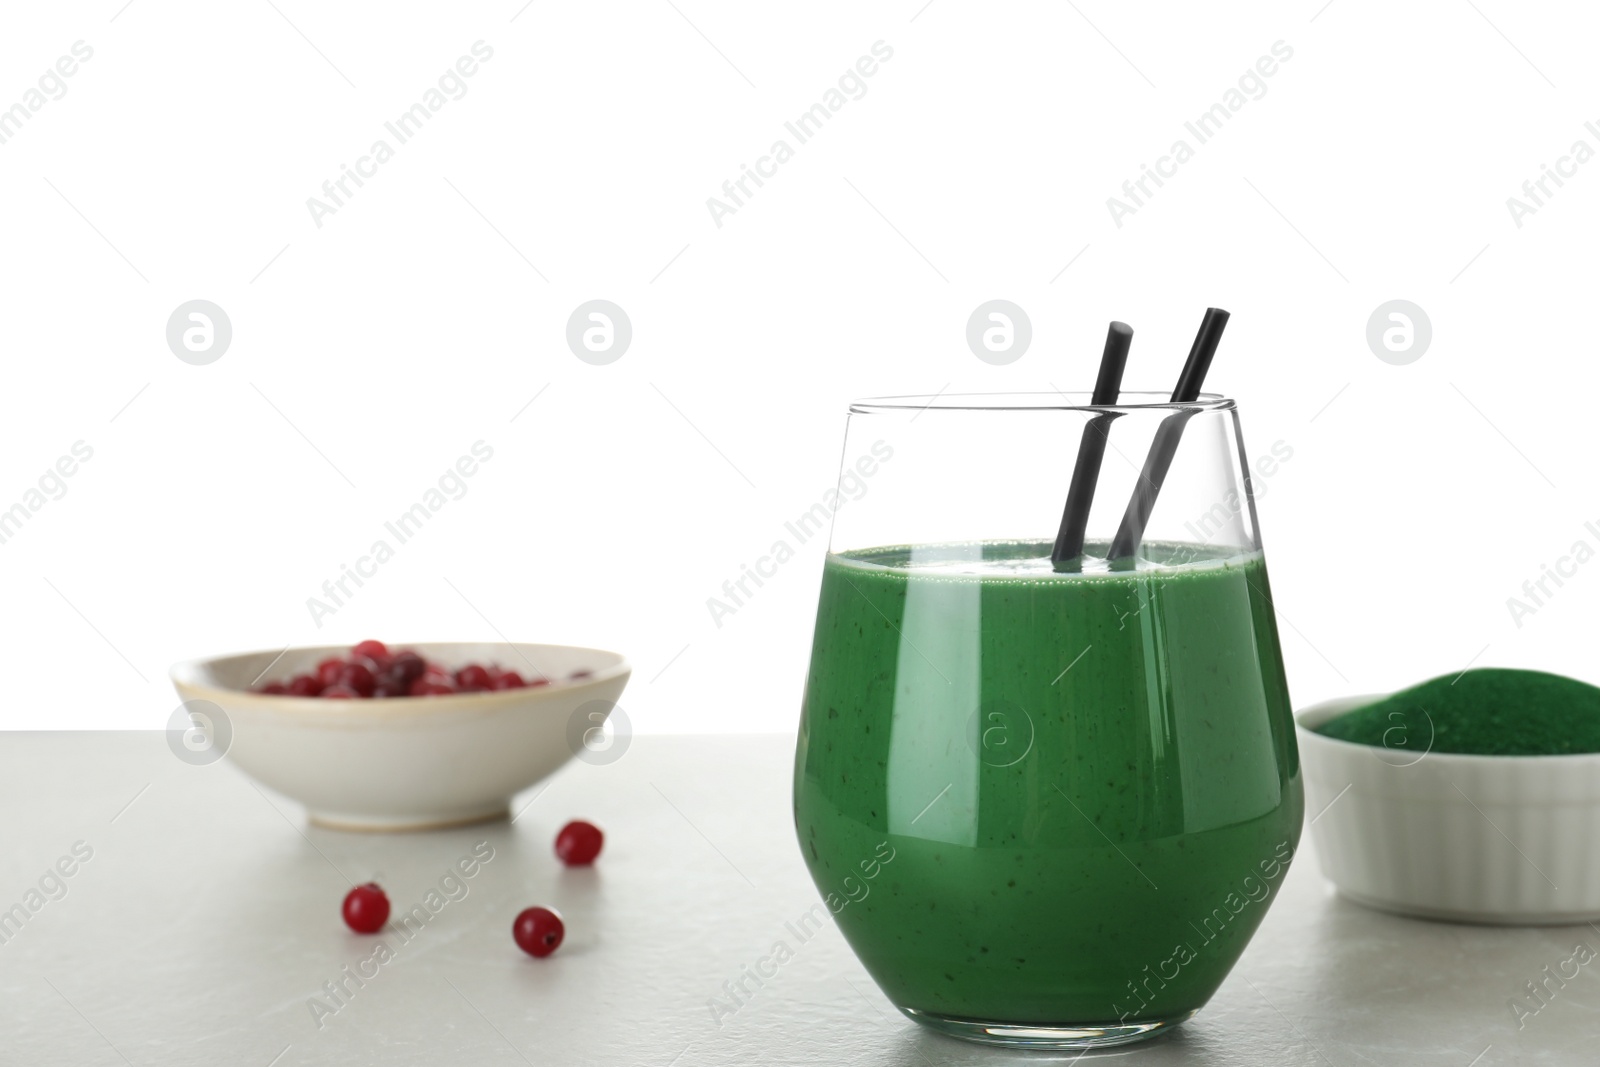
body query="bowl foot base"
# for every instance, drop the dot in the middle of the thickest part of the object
(1042, 1036)
(1486, 915)
(336, 820)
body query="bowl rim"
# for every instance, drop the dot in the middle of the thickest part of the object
(184, 677)
(1021, 400)
(1314, 715)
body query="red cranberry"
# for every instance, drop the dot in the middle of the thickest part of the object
(376, 651)
(340, 692)
(427, 687)
(366, 908)
(579, 843)
(509, 680)
(534, 683)
(538, 931)
(304, 685)
(474, 677)
(273, 687)
(407, 666)
(357, 676)
(328, 671)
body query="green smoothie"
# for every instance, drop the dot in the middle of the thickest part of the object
(1087, 782)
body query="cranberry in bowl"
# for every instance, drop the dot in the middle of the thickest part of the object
(404, 736)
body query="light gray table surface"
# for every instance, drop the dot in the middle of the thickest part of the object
(207, 917)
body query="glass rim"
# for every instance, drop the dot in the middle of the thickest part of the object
(1057, 400)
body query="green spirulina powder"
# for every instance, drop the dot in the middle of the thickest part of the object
(1488, 712)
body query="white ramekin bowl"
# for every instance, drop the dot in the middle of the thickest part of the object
(1488, 839)
(401, 764)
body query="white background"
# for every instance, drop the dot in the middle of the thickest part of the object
(426, 314)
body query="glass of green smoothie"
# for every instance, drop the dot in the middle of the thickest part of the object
(1047, 804)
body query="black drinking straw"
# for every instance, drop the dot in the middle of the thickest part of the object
(1092, 449)
(1165, 445)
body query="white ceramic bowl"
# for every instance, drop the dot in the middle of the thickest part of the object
(408, 763)
(1490, 839)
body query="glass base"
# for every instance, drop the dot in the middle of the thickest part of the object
(1033, 1036)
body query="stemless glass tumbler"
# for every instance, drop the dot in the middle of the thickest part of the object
(1048, 805)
